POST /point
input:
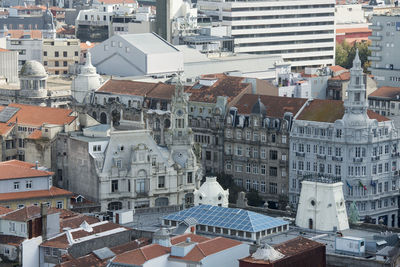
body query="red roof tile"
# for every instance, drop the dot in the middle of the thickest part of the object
(14, 169)
(141, 255)
(11, 240)
(276, 105)
(18, 34)
(337, 68)
(386, 92)
(4, 210)
(209, 247)
(26, 213)
(114, 2)
(52, 193)
(36, 134)
(345, 76)
(228, 86)
(36, 116)
(353, 30)
(330, 111)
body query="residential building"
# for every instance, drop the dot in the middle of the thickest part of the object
(302, 32)
(24, 184)
(137, 55)
(127, 169)
(346, 141)
(35, 88)
(28, 44)
(60, 55)
(188, 249)
(386, 101)
(385, 35)
(101, 256)
(95, 24)
(231, 223)
(19, 18)
(28, 132)
(256, 144)
(9, 66)
(82, 240)
(299, 252)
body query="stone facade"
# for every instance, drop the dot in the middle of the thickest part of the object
(350, 143)
(128, 169)
(257, 145)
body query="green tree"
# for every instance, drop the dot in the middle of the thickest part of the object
(353, 213)
(226, 181)
(345, 54)
(254, 199)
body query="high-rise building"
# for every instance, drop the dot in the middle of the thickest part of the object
(302, 31)
(385, 65)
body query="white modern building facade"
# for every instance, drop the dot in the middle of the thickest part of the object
(385, 66)
(302, 31)
(347, 142)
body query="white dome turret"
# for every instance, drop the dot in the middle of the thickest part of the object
(211, 193)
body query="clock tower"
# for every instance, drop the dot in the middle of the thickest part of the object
(180, 133)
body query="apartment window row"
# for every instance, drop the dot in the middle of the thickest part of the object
(305, 24)
(252, 35)
(254, 168)
(296, 42)
(260, 186)
(317, 167)
(291, 7)
(274, 17)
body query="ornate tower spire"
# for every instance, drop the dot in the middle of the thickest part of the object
(356, 101)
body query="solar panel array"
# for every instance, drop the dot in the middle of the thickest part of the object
(7, 113)
(236, 219)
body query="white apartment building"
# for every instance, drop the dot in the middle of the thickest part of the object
(302, 31)
(346, 141)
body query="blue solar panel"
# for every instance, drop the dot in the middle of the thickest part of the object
(235, 219)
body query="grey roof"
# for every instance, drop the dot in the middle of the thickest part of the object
(259, 108)
(33, 68)
(103, 253)
(149, 43)
(237, 219)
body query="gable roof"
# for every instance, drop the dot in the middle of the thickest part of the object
(237, 219)
(26, 213)
(208, 247)
(144, 89)
(141, 255)
(276, 105)
(329, 111)
(149, 43)
(225, 85)
(386, 92)
(49, 194)
(14, 169)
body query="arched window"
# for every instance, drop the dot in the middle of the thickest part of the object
(103, 118)
(94, 115)
(167, 123)
(116, 205)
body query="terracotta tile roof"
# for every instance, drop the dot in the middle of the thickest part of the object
(276, 105)
(353, 30)
(357, 40)
(70, 31)
(25, 214)
(36, 134)
(52, 193)
(209, 247)
(330, 111)
(14, 169)
(62, 240)
(126, 87)
(77, 220)
(37, 116)
(141, 255)
(29, 7)
(345, 76)
(386, 92)
(18, 34)
(337, 68)
(4, 210)
(4, 50)
(228, 86)
(11, 240)
(162, 91)
(92, 260)
(193, 238)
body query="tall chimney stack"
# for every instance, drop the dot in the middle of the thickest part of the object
(43, 213)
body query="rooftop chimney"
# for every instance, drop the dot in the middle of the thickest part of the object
(43, 213)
